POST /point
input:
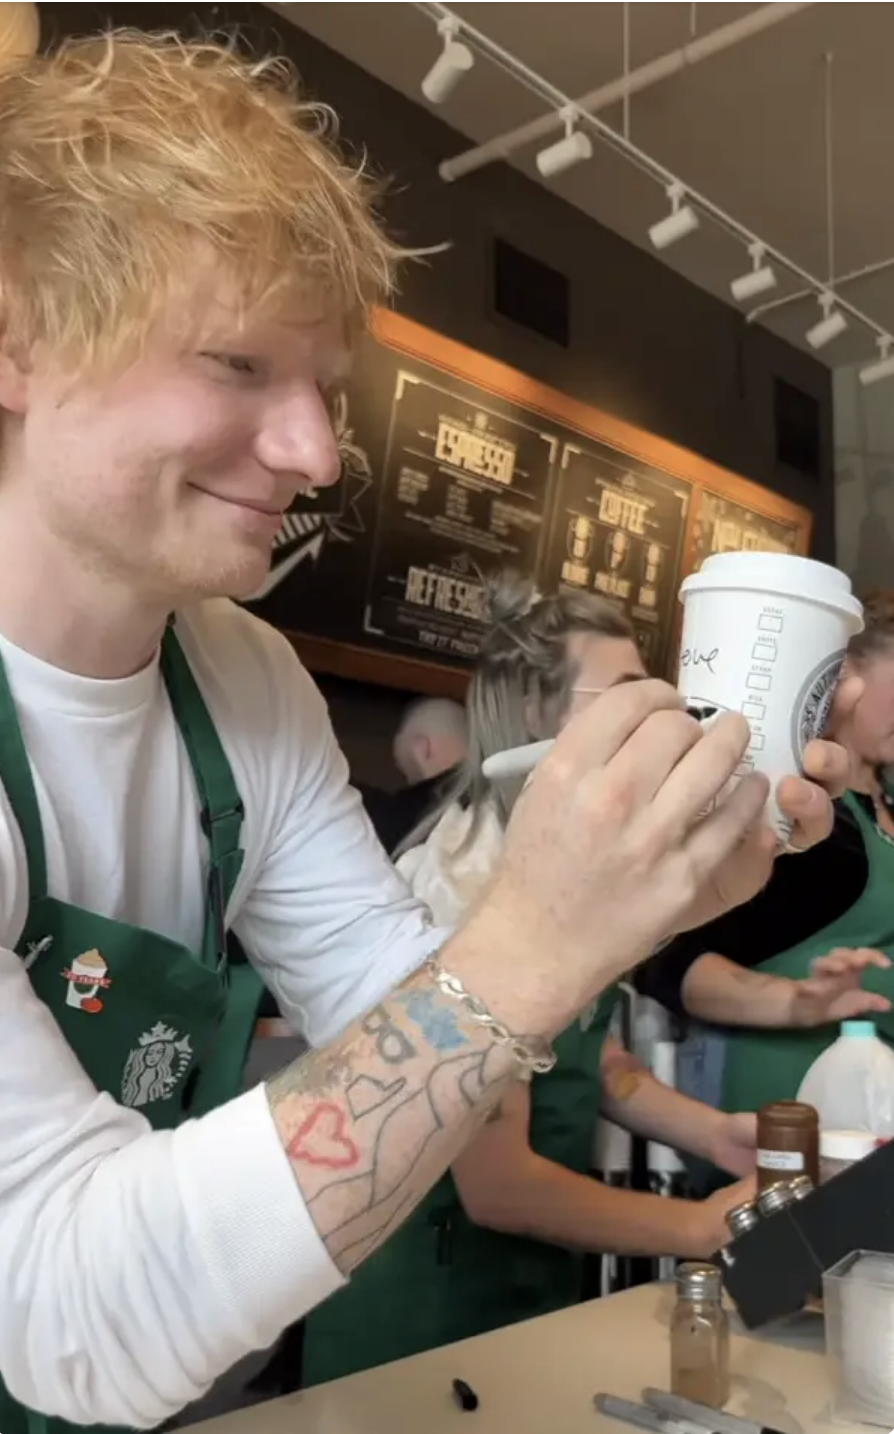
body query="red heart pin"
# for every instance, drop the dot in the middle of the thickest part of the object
(321, 1140)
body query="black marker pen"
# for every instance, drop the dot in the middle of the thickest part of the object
(465, 1395)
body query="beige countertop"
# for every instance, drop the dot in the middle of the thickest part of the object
(540, 1378)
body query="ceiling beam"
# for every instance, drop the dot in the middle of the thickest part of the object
(633, 83)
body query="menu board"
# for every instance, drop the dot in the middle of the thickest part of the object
(453, 467)
(722, 526)
(464, 490)
(617, 529)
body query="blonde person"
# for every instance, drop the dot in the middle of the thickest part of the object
(502, 1238)
(184, 261)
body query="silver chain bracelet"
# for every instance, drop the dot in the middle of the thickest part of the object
(535, 1055)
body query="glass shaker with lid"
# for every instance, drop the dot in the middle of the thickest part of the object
(700, 1337)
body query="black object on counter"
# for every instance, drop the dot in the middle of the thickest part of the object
(772, 1270)
(465, 1395)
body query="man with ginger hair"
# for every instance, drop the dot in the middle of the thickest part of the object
(183, 260)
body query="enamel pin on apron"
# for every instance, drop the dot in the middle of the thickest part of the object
(87, 975)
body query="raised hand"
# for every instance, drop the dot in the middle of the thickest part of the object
(834, 992)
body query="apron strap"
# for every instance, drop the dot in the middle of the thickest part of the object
(221, 806)
(19, 785)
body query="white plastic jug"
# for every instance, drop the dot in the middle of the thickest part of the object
(851, 1084)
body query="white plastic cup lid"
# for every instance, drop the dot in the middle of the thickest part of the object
(846, 1144)
(779, 574)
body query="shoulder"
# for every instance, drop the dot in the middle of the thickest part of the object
(246, 668)
(270, 717)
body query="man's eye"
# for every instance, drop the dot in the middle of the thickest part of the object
(236, 363)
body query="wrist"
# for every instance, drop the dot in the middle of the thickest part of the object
(519, 986)
(792, 1011)
(709, 1136)
(701, 1235)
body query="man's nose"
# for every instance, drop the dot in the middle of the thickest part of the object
(296, 436)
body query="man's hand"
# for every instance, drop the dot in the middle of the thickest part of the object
(710, 1231)
(806, 800)
(733, 1146)
(833, 991)
(610, 844)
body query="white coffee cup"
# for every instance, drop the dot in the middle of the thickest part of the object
(765, 634)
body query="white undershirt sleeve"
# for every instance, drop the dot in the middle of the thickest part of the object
(135, 1267)
(329, 923)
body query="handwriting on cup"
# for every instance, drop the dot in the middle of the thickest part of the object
(697, 657)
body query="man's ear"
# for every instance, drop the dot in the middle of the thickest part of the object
(13, 379)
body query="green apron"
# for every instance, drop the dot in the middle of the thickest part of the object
(440, 1278)
(162, 1029)
(762, 1066)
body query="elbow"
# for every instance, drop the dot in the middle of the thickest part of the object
(502, 1207)
(490, 1210)
(87, 1327)
(64, 1352)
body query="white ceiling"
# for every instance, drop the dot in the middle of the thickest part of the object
(745, 127)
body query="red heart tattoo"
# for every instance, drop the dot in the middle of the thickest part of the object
(321, 1140)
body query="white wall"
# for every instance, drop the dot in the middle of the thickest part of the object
(864, 479)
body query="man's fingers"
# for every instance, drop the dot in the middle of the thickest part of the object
(730, 847)
(597, 733)
(701, 776)
(809, 807)
(828, 764)
(641, 768)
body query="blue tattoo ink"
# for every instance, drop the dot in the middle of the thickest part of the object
(438, 1026)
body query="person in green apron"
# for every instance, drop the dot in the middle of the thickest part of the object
(503, 1237)
(815, 947)
(185, 259)
(178, 1040)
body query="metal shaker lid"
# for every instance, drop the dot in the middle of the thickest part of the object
(775, 1198)
(743, 1218)
(697, 1281)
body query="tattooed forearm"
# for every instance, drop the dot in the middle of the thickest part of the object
(371, 1124)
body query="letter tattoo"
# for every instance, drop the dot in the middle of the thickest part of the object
(392, 1046)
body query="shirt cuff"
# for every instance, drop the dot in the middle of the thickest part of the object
(247, 1215)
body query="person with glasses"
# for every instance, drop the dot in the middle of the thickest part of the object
(503, 1236)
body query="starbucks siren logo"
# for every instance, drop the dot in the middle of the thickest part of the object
(811, 710)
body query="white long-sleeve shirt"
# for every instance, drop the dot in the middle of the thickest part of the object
(136, 1266)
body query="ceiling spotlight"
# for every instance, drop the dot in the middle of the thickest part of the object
(568, 151)
(761, 278)
(830, 325)
(454, 61)
(680, 222)
(883, 366)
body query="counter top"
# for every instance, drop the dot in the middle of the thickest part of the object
(540, 1377)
